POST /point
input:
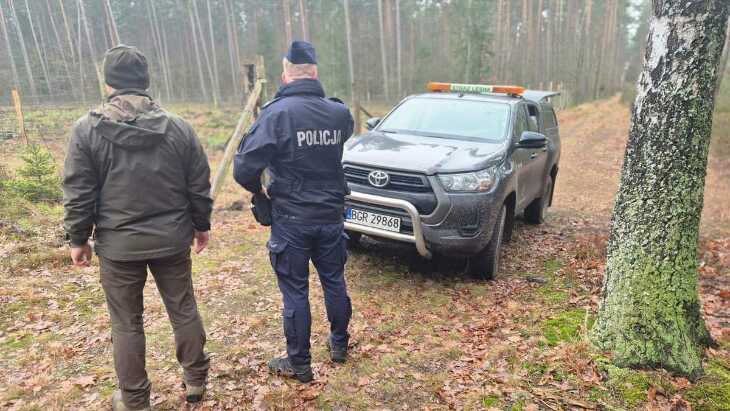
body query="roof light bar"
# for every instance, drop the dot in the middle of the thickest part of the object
(474, 88)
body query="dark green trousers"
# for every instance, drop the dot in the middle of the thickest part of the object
(123, 283)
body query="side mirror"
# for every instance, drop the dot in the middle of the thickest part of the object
(372, 123)
(532, 139)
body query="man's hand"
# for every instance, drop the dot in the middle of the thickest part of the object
(81, 255)
(201, 240)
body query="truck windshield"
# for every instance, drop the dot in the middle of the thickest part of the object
(483, 120)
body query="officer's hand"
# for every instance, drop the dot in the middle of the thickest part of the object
(201, 240)
(81, 256)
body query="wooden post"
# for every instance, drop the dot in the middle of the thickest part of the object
(244, 122)
(356, 113)
(19, 113)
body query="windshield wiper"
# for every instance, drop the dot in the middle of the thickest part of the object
(387, 130)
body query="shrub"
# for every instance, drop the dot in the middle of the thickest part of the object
(36, 180)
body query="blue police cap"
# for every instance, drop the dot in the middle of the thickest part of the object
(301, 52)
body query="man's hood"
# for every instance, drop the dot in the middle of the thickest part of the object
(132, 121)
(428, 155)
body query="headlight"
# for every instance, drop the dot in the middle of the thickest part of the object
(477, 181)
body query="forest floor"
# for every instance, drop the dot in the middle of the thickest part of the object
(424, 336)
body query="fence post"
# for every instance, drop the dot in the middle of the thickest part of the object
(19, 113)
(356, 112)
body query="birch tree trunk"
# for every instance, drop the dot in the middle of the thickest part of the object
(383, 51)
(723, 62)
(8, 47)
(24, 50)
(649, 313)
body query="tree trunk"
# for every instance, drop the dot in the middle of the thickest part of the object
(112, 23)
(286, 11)
(303, 20)
(468, 36)
(61, 51)
(649, 314)
(79, 52)
(41, 58)
(232, 52)
(723, 62)
(199, 37)
(383, 51)
(214, 56)
(199, 65)
(350, 65)
(398, 49)
(92, 49)
(24, 50)
(159, 48)
(8, 47)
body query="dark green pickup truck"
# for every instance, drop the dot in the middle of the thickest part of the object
(450, 170)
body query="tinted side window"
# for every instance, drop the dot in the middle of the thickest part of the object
(548, 117)
(520, 122)
(533, 119)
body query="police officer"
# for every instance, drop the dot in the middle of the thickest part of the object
(299, 138)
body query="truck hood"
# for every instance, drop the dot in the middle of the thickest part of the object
(427, 155)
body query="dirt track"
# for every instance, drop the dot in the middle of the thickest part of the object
(594, 139)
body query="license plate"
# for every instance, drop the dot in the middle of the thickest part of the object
(369, 219)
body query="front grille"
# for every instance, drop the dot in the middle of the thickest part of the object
(406, 224)
(412, 183)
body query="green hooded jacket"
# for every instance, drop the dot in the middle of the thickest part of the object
(137, 177)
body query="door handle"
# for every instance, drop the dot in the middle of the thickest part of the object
(533, 155)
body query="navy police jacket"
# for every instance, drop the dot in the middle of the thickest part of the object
(299, 137)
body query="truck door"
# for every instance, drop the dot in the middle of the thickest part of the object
(521, 158)
(534, 176)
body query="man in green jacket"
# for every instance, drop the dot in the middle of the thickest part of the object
(136, 179)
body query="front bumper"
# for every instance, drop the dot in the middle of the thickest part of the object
(416, 237)
(460, 225)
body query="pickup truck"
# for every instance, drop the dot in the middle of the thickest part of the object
(451, 169)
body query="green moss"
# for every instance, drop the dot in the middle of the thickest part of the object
(563, 327)
(490, 401)
(18, 342)
(551, 295)
(627, 386)
(712, 392)
(552, 267)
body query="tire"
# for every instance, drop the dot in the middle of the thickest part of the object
(485, 264)
(537, 210)
(353, 240)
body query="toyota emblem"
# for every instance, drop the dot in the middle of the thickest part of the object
(378, 178)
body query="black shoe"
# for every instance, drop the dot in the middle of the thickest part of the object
(284, 368)
(194, 393)
(337, 354)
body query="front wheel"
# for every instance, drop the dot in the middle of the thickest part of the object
(485, 264)
(537, 210)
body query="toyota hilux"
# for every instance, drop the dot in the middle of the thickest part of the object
(450, 169)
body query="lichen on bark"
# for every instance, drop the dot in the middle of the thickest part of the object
(649, 315)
